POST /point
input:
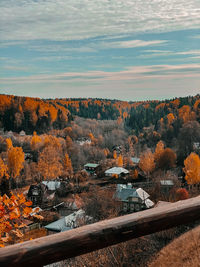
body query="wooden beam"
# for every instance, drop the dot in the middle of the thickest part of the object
(91, 237)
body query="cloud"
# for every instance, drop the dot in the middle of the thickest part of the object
(79, 47)
(196, 36)
(130, 73)
(190, 52)
(132, 43)
(81, 19)
(167, 53)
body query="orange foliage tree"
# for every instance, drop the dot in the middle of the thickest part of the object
(120, 161)
(15, 161)
(12, 212)
(114, 154)
(170, 118)
(52, 141)
(147, 163)
(36, 141)
(67, 166)
(186, 114)
(50, 163)
(8, 143)
(192, 169)
(159, 150)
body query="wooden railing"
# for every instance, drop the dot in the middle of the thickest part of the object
(95, 236)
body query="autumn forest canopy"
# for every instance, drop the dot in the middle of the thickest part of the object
(41, 115)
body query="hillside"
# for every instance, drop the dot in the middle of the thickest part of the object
(182, 252)
(29, 114)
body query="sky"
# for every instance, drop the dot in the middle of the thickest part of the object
(117, 49)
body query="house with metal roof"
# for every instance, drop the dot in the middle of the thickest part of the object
(68, 222)
(52, 185)
(133, 199)
(91, 168)
(116, 171)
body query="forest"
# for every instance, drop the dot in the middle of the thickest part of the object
(53, 139)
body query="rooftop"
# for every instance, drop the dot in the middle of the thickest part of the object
(91, 165)
(116, 170)
(67, 222)
(124, 192)
(135, 160)
(52, 185)
(167, 182)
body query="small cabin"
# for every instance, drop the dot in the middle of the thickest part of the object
(91, 168)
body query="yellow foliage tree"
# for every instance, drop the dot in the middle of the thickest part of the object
(192, 169)
(147, 163)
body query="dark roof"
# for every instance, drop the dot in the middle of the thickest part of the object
(35, 188)
(123, 192)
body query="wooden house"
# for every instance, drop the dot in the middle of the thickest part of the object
(35, 194)
(132, 199)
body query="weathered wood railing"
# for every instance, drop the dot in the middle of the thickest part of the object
(91, 237)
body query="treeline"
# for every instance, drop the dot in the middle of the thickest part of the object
(42, 115)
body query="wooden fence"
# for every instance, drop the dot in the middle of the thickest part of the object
(57, 247)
